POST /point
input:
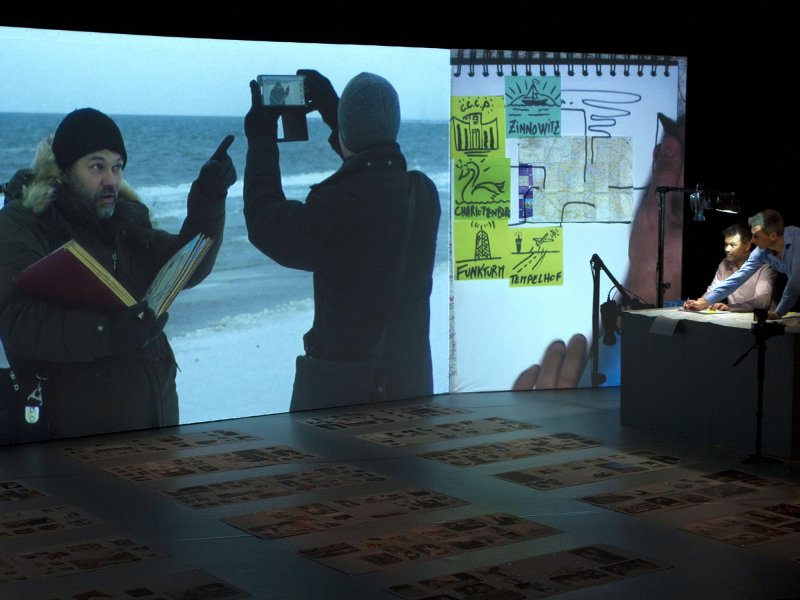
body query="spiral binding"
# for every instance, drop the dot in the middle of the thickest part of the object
(484, 62)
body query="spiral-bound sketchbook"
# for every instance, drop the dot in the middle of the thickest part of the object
(553, 159)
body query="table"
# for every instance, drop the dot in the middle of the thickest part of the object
(677, 376)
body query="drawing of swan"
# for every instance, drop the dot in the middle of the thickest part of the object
(475, 188)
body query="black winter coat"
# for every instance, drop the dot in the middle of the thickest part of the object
(348, 232)
(90, 389)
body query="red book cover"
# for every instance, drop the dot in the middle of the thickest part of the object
(70, 276)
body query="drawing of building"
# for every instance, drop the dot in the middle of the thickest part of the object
(472, 136)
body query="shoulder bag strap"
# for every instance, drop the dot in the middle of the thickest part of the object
(401, 263)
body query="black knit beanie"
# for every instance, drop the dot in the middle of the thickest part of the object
(84, 131)
(369, 112)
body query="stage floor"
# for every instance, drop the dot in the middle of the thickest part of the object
(537, 494)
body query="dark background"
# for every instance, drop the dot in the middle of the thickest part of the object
(740, 74)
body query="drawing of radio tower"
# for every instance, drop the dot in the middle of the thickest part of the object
(483, 250)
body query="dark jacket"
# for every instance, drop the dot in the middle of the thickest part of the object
(349, 232)
(91, 389)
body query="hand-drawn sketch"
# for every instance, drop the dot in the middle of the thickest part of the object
(477, 126)
(533, 106)
(481, 171)
(536, 257)
(478, 249)
(482, 188)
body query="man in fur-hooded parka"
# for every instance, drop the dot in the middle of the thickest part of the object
(103, 373)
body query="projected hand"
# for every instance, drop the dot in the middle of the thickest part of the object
(218, 173)
(561, 366)
(322, 97)
(260, 120)
(643, 243)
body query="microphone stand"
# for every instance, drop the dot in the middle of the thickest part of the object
(762, 330)
(660, 285)
(597, 265)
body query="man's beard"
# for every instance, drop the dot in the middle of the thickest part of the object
(106, 211)
(101, 210)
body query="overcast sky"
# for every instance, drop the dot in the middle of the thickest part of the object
(58, 71)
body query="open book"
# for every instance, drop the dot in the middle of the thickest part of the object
(71, 276)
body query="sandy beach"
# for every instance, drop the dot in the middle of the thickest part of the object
(243, 365)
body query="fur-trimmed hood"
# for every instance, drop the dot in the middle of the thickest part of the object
(48, 178)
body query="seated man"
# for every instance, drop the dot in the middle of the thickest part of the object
(755, 292)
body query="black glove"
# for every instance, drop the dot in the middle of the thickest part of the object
(260, 120)
(218, 174)
(135, 327)
(322, 97)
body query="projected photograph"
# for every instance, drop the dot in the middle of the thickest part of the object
(235, 335)
(555, 159)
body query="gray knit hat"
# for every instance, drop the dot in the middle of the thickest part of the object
(369, 112)
(84, 131)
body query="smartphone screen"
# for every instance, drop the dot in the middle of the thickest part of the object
(282, 90)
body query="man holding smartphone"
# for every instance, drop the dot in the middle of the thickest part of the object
(369, 241)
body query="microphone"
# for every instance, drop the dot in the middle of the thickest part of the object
(608, 314)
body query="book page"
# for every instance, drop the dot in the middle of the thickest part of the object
(175, 273)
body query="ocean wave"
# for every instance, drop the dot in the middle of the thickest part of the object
(247, 321)
(169, 201)
(304, 180)
(299, 180)
(157, 193)
(153, 193)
